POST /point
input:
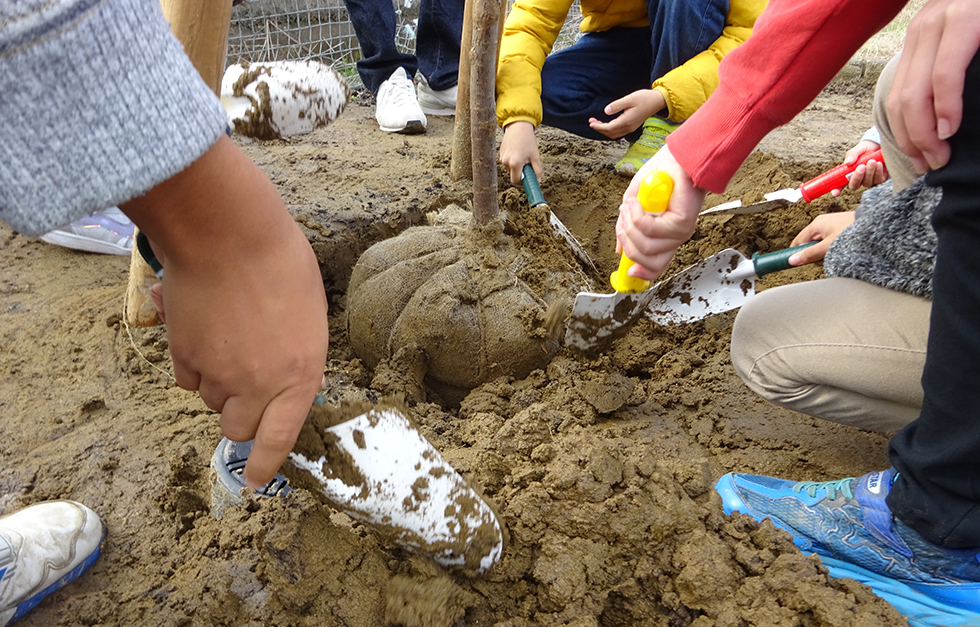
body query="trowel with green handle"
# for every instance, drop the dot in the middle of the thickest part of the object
(720, 283)
(535, 198)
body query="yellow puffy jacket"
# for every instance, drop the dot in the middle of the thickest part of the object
(533, 26)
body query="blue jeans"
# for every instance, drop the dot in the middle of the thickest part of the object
(437, 42)
(578, 82)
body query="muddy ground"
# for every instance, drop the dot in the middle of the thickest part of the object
(601, 469)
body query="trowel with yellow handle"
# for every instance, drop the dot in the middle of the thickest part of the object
(720, 283)
(378, 469)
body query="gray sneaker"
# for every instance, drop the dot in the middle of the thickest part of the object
(108, 232)
(43, 548)
(398, 107)
(436, 102)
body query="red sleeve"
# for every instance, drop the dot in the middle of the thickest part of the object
(797, 47)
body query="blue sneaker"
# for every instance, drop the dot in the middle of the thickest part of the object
(848, 524)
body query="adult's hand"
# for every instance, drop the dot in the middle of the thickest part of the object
(925, 104)
(246, 313)
(635, 107)
(518, 148)
(651, 241)
(824, 228)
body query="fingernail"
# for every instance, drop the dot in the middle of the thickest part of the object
(944, 128)
(794, 260)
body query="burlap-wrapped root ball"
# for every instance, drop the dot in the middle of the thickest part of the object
(450, 290)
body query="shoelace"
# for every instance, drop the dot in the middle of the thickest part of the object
(652, 138)
(832, 487)
(402, 92)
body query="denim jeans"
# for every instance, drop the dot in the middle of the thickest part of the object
(937, 492)
(578, 82)
(437, 42)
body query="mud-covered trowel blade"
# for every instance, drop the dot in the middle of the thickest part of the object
(598, 319)
(720, 283)
(380, 470)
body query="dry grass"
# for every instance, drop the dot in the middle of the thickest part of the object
(889, 40)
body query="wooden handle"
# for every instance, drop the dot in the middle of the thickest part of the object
(202, 28)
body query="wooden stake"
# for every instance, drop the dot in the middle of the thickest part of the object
(461, 165)
(202, 28)
(483, 114)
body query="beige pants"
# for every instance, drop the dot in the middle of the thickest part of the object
(900, 167)
(839, 349)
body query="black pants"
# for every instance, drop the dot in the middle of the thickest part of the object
(937, 492)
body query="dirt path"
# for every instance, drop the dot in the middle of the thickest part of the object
(601, 469)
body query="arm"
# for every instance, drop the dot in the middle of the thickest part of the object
(529, 35)
(687, 87)
(245, 308)
(796, 48)
(239, 271)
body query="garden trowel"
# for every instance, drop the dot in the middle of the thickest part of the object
(535, 198)
(720, 283)
(378, 469)
(835, 178)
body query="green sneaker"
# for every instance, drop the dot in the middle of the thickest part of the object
(653, 138)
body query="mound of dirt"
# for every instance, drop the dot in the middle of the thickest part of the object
(601, 469)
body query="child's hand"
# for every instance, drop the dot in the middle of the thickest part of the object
(825, 229)
(650, 240)
(868, 175)
(635, 107)
(518, 148)
(246, 313)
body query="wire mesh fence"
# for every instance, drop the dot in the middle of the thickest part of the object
(277, 30)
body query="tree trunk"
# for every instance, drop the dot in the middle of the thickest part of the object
(461, 166)
(483, 116)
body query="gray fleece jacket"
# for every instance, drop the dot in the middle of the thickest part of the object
(98, 103)
(891, 243)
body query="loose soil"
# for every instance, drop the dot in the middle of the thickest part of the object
(601, 469)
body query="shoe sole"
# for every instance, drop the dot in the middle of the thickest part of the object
(922, 604)
(68, 577)
(76, 242)
(412, 127)
(626, 169)
(437, 110)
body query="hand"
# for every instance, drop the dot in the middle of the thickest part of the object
(825, 229)
(925, 104)
(246, 313)
(868, 175)
(518, 148)
(635, 107)
(650, 240)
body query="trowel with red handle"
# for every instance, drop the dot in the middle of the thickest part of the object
(835, 178)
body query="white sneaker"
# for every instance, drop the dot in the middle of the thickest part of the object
(436, 102)
(109, 232)
(398, 108)
(42, 548)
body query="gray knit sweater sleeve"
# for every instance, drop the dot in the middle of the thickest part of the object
(99, 103)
